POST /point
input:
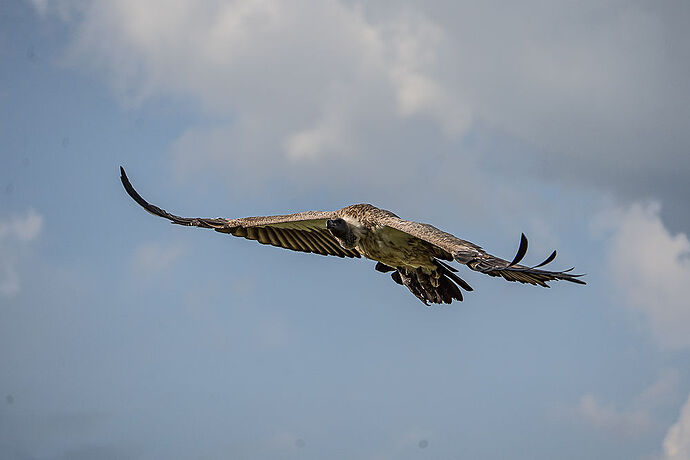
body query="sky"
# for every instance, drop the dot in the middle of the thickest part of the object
(123, 337)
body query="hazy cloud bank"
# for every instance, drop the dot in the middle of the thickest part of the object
(597, 92)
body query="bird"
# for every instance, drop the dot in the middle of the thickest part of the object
(415, 254)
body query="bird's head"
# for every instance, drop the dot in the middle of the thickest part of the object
(335, 224)
(342, 232)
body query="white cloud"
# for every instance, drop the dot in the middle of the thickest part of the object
(309, 143)
(651, 269)
(607, 417)
(9, 279)
(24, 228)
(155, 256)
(270, 64)
(660, 392)
(638, 418)
(283, 440)
(15, 233)
(677, 440)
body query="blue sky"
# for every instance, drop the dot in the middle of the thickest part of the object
(124, 337)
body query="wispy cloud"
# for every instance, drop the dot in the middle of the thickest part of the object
(20, 228)
(154, 257)
(638, 417)
(677, 440)
(606, 417)
(660, 392)
(15, 233)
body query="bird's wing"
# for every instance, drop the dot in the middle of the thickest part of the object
(303, 231)
(449, 247)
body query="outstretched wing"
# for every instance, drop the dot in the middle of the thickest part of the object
(449, 247)
(304, 231)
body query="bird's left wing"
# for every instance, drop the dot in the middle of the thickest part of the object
(450, 247)
(303, 231)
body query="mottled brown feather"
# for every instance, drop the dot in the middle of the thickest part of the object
(290, 231)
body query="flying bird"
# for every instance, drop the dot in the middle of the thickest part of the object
(414, 253)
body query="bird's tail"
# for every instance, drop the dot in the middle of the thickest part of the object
(438, 285)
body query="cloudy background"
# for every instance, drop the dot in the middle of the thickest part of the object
(122, 337)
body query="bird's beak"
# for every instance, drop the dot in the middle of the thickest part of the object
(329, 224)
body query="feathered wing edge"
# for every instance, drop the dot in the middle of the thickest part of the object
(156, 211)
(512, 271)
(304, 232)
(465, 252)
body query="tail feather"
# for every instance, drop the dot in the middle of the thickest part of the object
(450, 272)
(439, 285)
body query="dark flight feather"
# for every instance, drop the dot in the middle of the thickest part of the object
(522, 250)
(548, 259)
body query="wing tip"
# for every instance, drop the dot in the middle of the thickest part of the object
(148, 207)
(522, 250)
(576, 281)
(547, 261)
(133, 193)
(124, 179)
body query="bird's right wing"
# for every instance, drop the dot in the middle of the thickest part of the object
(303, 231)
(449, 247)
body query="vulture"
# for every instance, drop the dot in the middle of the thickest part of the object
(415, 254)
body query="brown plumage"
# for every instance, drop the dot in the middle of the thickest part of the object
(413, 251)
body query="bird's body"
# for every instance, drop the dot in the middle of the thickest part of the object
(376, 241)
(413, 251)
(394, 249)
